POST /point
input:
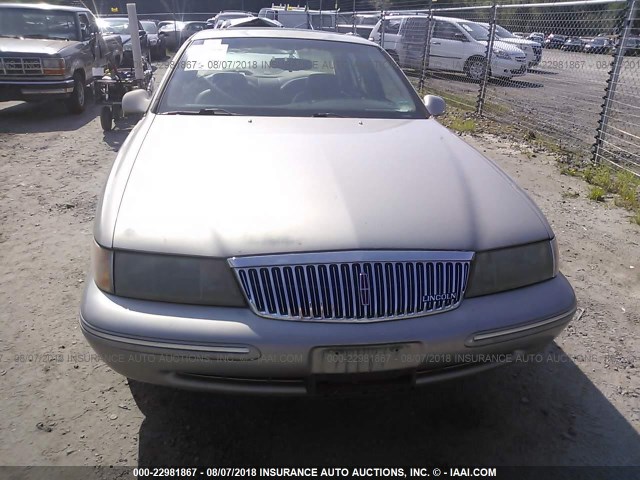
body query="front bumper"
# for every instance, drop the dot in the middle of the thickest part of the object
(34, 89)
(233, 350)
(507, 68)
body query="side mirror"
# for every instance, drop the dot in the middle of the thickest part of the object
(136, 101)
(142, 33)
(436, 105)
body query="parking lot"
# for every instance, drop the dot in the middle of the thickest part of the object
(576, 404)
(561, 97)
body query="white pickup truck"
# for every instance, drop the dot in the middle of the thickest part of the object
(49, 51)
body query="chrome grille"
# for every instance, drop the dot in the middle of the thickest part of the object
(20, 66)
(353, 286)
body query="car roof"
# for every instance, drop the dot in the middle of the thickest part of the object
(451, 19)
(293, 33)
(44, 6)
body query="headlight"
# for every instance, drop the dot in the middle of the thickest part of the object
(501, 54)
(178, 279)
(508, 268)
(53, 66)
(102, 266)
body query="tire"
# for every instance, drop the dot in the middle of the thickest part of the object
(475, 68)
(77, 102)
(116, 112)
(106, 119)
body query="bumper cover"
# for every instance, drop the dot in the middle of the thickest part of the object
(34, 89)
(233, 350)
(507, 68)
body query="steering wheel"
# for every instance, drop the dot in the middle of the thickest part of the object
(218, 93)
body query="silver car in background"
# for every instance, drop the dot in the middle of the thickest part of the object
(533, 50)
(456, 45)
(338, 233)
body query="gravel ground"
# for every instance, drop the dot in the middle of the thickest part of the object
(61, 405)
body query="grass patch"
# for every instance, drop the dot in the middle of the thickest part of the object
(569, 171)
(596, 194)
(626, 186)
(601, 176)
(605, 179)
(463, 125)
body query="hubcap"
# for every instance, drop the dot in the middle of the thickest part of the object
(476, 69)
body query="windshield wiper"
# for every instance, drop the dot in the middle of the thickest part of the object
(203, 111)
(326, 115)
(9, 36)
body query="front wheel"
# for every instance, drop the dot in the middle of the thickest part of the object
(76, 103)
(106, 119)
(476, 68)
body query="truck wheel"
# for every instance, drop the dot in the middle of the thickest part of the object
(106, 119)
(77, 101)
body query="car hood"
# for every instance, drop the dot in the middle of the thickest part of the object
(507, 47)
(39, 46)
(227, 186)
(519, 41)
(125, 38)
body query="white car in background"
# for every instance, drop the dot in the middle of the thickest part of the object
(456, 45)
(531, 48)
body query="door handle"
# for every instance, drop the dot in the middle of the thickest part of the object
(436, 43)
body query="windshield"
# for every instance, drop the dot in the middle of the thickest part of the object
(172, 26)
(503, 32)
(477, 31)
(149, 27)
(229, 16)
(288, 77)
(119, 26)
(36, 23)
(367, 20)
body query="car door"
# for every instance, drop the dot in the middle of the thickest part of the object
(102, 51)
(447, 50)
(414, 36)
(89, 49)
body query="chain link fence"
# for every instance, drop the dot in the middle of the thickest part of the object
(567, 71)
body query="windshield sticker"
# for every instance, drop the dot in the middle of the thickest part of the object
(206, 56)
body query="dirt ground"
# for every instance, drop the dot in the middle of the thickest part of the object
(61, 405)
